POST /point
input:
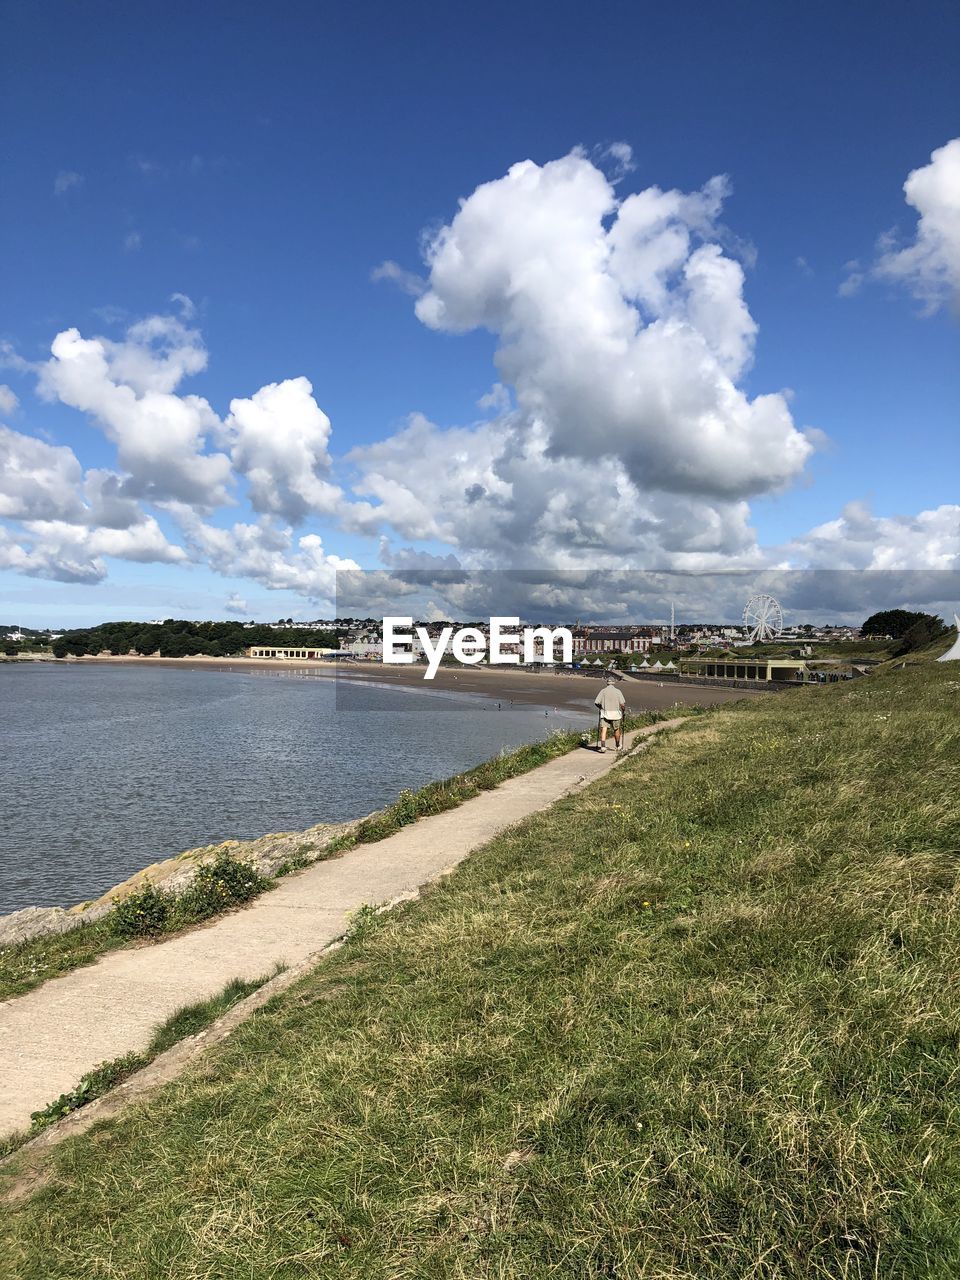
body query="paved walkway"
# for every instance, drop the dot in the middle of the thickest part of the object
(50, 1037)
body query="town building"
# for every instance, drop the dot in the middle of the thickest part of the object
(285, 653)
(630, 639)
(760, 669)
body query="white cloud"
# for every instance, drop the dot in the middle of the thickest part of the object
(132, 241)
(66, 180)
(143, 542)
(622, 331)
(65, 552)
(235, 603)
(38, 480)
(621, 324)
(72, 522)
(501, 498)
(8, 399)
(128, 389)
(409, 558)
(930, 266)
(278, 439)
(266, 553)
(857, 539)
(37, 561)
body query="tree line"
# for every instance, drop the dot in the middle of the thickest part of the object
(178, 638)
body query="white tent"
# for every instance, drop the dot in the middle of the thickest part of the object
(644, 665)
(657, 666)
(671, 666)
(953, 654)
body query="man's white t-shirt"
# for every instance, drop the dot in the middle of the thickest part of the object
(611, 703)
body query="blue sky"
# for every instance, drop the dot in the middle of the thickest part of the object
(263, 162)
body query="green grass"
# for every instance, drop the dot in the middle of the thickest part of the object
(701, 1021)
(26, 965)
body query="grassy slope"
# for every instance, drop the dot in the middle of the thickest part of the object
(699, 1021)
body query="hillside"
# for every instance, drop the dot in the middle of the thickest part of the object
(701, 1020)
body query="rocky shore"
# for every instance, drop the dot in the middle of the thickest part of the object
(267, 855)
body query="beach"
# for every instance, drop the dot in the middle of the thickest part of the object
(565, 691)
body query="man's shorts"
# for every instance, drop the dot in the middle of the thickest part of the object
(612, 724)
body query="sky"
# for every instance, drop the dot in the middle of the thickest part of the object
(288, 290)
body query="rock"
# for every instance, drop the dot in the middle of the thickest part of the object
(266, 855)
(34, 922)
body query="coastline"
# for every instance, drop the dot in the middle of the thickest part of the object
(571, 695)
(562, 691)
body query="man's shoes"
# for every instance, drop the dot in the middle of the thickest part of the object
(601, 748)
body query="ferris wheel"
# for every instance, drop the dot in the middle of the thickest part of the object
(763, 618)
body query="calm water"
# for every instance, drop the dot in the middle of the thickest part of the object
(104, 770)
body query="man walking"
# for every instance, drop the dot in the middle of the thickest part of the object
(612, 707)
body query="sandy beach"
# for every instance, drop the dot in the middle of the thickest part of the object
(565, 691)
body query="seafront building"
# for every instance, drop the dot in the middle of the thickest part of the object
(630, 639)
(284, 652)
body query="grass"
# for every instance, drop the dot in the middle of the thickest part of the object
(700, 1021)
(26, 965)
(188, 1021)
(220, 886)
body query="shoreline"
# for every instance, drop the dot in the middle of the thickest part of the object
(571, 695)
(562, 691)
(266, 853)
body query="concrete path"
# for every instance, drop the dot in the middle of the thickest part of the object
(50, 1037)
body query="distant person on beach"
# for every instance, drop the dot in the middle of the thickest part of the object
(612, 707)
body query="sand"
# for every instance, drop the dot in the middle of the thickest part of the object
(565, 691)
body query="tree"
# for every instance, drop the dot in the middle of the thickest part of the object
(892, 622)
(924, 631)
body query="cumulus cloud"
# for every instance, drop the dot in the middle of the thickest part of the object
(38, 480)
(929, 266)
(73, 521)
(265, 552)
(621, 327)
(501, 497)
(128, 388)
(38, 561)
(857, 539)
(68, 552)
(143, 542)
(410, 558)
(132, 241)
(278, 439)
(235, 603)
(8, 399)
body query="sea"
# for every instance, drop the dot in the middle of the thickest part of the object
(105, 769)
